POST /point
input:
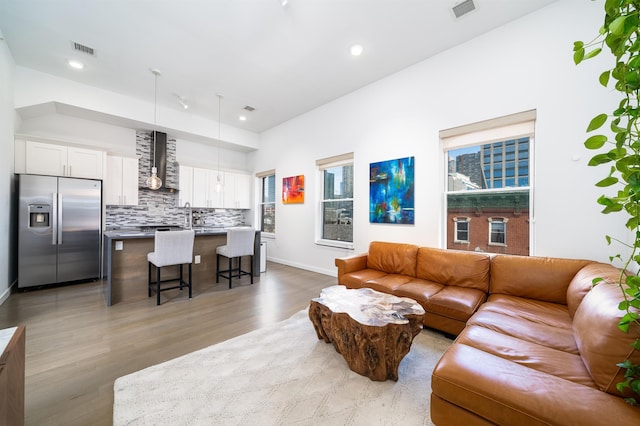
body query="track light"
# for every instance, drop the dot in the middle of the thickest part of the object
(182, 102)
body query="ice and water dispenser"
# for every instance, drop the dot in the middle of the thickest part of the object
(39, 216)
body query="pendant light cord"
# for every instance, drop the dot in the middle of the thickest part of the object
(155, 114)
(219, 126)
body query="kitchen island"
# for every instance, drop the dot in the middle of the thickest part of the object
(125, 266)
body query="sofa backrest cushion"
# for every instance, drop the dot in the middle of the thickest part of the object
(582, 282)
(601, 343)
(460, 268)
(539, 278)
(393, 258)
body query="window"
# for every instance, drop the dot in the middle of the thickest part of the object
(497, 231)
(488, 180)
(336, 201)
(267, 201)
(461, 229)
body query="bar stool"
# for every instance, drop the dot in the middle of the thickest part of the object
(240, 242)
(171, 248)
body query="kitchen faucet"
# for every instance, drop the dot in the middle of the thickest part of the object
(187, 205)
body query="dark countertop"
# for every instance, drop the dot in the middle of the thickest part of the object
(137, 233)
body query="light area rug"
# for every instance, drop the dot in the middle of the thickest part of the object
(278, 375)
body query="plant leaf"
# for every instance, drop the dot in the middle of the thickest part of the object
(617, 26)
(597, 122)
(608, 181)
(604, 78)
(595, 142)
(578, 56)
(593, 53)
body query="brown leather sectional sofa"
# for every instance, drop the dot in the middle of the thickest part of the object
(537, 343)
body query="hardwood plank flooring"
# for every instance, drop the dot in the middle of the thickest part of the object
(76, 346)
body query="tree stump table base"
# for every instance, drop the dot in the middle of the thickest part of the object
(373, 331)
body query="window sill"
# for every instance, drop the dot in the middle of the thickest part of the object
(336, 244)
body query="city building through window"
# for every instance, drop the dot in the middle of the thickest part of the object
(267, 201)
(489, 184)
(335, 227)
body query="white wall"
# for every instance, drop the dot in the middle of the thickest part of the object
(521, 66)
(7, 119)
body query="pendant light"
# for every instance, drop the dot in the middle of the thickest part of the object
(153, 181)
(218, 182)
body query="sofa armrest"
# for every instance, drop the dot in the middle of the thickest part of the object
(351, 264)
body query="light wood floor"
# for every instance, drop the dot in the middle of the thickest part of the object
(76, 346)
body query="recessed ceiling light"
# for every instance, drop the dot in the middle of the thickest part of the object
(356, 49)
(75, 64)
(242, 118)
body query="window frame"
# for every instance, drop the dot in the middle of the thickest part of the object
(456, 231)
(261, 178)
(498, 220)
(502, 129)
(321, 166)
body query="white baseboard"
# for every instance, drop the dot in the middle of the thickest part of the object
(5, 295)
(331, 273)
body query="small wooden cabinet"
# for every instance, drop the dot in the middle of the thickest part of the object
(12, 375)
(121, 181)
(59, 160)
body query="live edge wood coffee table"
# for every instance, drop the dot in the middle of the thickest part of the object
(372, 330)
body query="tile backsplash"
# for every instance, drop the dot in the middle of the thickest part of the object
(161, 207)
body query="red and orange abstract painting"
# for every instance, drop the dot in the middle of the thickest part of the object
(293, 190)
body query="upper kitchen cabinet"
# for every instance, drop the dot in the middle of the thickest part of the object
(121, 181)
(185, 185)
(60, 160)
(207, 189)
(237, 191)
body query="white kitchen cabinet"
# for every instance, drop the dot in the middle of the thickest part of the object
(237, 191)
(207, 190)
(60, 160)
(185, 187)
(121, 181)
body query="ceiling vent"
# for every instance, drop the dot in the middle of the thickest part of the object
(463, 8)
(83, 49)
(249, 108)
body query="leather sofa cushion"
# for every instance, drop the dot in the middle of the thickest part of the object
(602, 344)
(393, 258)
(358, 278)
(455, 302)
(582, 282)
(524, 328)
(387, 283)
(506, 393)
(458, 268)
(419, 290)
(539, 278)
(529, 354)
(551, 314)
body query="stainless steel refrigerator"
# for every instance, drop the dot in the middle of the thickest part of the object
(60, 227)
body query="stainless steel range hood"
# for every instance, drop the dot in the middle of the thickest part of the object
(159, 155)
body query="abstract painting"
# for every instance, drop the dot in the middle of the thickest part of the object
(293, 190)
(391, 191)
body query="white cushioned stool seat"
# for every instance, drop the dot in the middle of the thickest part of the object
(171, 248)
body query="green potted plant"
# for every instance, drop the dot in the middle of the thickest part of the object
(620, 34)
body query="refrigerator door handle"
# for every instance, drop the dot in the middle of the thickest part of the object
(54, 218)
(59, 222)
